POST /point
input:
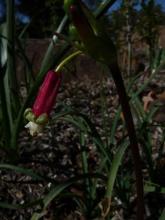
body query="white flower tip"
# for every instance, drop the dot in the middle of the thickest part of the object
(34, 129)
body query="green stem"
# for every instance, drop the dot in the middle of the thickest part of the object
(5, 118)
(103, 8)
(129, 6)
(84, 158)
(11, 62)
(51, 52)
(8, 76)
(132, 137)
(66, 60)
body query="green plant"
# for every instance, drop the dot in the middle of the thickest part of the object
(11, 108)
(110, 175)
(99, 46)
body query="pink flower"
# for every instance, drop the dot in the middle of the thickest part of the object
(47, 94)
(45, 100)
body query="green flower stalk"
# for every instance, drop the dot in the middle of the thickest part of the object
(98, 44)
(38, 115)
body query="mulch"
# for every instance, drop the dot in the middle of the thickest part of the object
(56, 153)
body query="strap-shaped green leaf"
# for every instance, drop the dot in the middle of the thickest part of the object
(114, 169)
(17, 169)
(162, 217)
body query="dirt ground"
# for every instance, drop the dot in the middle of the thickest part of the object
(55, 153)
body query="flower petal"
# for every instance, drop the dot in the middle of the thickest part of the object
(34, 128)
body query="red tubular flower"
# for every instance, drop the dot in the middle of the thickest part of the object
(47, 94)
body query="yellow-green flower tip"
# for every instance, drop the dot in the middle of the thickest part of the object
(30, 116)
(42, 119)
(27, 111)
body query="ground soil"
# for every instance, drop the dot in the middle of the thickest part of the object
(56, 154)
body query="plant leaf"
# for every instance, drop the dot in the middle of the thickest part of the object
(49, 197)
(162, 217)
(17, 169)
(114, 168)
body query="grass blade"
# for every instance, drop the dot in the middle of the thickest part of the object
(17, 169)
(6, 205)
(49, 197)
(114, 126)
(162, 217)
(37, 216)
(103, 8)
(11, 84)
(106, 202)
(49, 56)
(114, 169)
(152, 187)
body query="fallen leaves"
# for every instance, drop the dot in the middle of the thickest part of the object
(147, 100)
(154, 99)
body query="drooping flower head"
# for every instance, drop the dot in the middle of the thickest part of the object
(44, 102)
(47, 94)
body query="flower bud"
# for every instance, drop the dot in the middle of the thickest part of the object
(38, 115)
(47, 94)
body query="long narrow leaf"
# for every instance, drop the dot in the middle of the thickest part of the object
(49, 56)
(6, 205)
(5, 117)
(162, 217)
(114, 169)
(56, 190)
(49, 197)
(114, 126)
(104, 7)
(90, 129)
(152, 187)
(37, 216)
(6, 104)
(11, 85)
(17, 169)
